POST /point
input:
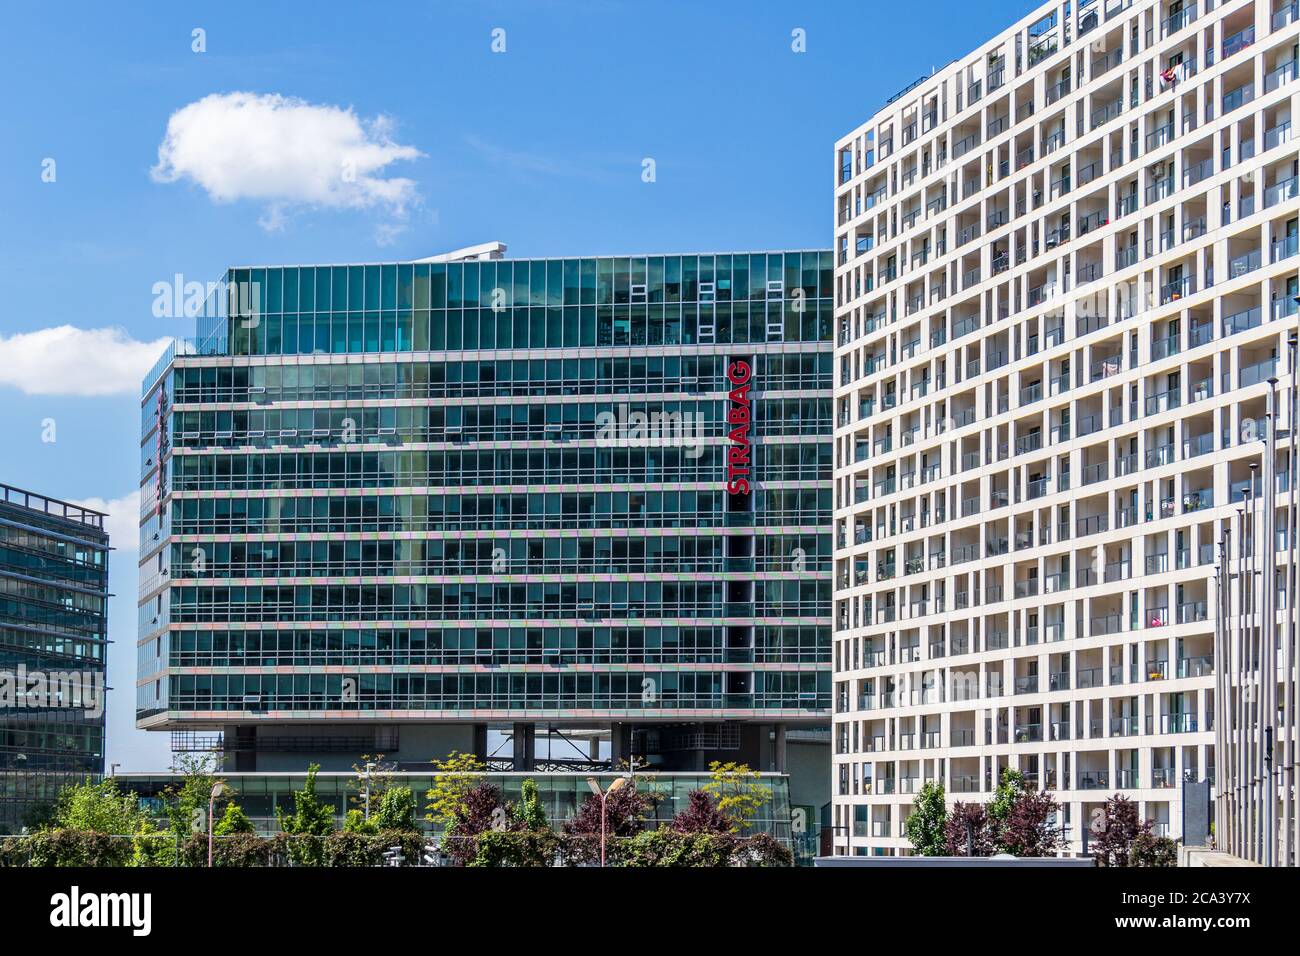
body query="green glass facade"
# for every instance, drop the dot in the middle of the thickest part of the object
(492, 490)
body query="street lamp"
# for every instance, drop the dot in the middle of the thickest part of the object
(604, 797)
(218, 789)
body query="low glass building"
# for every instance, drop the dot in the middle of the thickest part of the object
(53, 635)
(466, 502)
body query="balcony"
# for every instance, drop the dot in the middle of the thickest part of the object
(1160, 136)
(1238, 41)
(1282, 74)
(1280, 191)
(1160, 190)
(1094, 780)
(1176, 289)
(1244, 264)
(1238, 97)
(1178, 724)
(1258, 372)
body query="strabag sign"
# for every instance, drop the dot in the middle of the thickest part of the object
(739, 461)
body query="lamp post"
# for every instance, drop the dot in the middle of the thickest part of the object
(604, 798)
(218, 789)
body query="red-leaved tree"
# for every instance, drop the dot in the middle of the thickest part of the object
(701, 815)
(968, 828)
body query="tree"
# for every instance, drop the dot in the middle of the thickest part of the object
(530, 813)
(354, 821)
(1028, 829)
(233, 821)
(702, 815)
(1121, 838)
(1009, 788)
(98, 808)
(187, 803)
(1114, 830)
(924, 826)
(396, 810)
(457, 777)
(310, 821)
(737, 791)
(480, 809)
(968, 829)
(625, 811)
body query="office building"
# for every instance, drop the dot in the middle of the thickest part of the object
(53, 638)
(551, 511)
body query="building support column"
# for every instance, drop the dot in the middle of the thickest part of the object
(524, 739)
(479, 737)
(778, 748)
(618, 744)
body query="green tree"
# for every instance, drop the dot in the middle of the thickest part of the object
(396, 810)
(102, 808)
(233, 821)
(457, 776)
(925, 825)
(187, 803)
(354, 821)
(1004, 797)
(530, 813)
(98, 808)
(309, 823)
(737, 791)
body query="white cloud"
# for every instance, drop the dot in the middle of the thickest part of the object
(69, 361)
(123, 522)
(286, 153)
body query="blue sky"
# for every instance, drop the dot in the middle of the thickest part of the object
(541, 146)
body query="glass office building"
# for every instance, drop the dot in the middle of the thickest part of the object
(395, 507)
(53, 634)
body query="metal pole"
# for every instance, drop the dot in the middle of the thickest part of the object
(1291, 812)
(1239, 749)
(1268, 636)
(1249, 661)
(602, 828)
(1217, 657)
(1252, 664)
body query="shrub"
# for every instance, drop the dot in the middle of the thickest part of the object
(236, 850)
(670, 847)
(1153, 851)
(80, 848)
(763, 849)
(522, 848)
